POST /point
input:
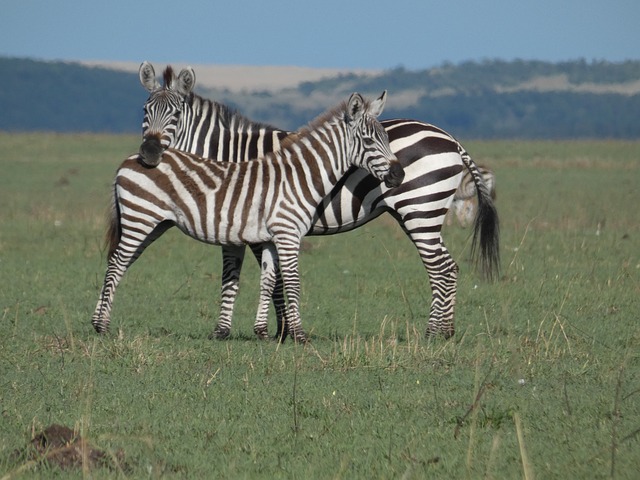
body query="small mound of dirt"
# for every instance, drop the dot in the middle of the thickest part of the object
(61, 446)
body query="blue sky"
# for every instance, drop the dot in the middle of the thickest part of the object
(367, 34)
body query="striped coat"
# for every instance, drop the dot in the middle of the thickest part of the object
(269, 201)
(433, 161)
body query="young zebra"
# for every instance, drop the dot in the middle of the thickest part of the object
(269, 201)
(174, 116)
(465, 201)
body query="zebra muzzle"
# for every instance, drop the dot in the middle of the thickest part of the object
(395, 175)
(151, 151)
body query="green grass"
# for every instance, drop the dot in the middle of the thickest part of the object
(542, 378)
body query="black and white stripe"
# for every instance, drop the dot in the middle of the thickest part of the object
(270, 201)
(432, 159)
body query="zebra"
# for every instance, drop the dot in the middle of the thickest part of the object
(269, 201)
(465, 202)
(433, 161)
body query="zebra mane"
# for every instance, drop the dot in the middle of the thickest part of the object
(227, 116)
(168, 76)
(337, 112)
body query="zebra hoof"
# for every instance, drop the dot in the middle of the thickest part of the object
(220, 333)
(261, 333)
(446, 333)
(100, 328)
(299, 337)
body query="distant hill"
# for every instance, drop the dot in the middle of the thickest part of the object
(489, 99)
(68, 97)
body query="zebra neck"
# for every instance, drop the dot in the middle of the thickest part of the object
(317, 159)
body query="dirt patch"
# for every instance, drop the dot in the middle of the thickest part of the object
(60, 446)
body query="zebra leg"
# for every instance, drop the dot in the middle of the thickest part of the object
(277, 296)
(128, 250)
(443, 278)
(232, 258)
(288, 252)
(281, 308)
(116, 268)
(268, 269)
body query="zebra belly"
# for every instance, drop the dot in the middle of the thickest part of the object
(237, 227)
(226, 232)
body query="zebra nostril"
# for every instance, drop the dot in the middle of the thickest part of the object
(395, 175)
(151, 151)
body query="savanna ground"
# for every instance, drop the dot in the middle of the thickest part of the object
(542, 379)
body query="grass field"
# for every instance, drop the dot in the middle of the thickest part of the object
(541, 380)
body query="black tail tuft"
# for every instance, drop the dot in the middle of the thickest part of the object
(486, 229)
(114, 230)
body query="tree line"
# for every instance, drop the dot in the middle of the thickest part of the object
(470, 100)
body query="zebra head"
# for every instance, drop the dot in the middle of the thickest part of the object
(162, 109)
(370, 145)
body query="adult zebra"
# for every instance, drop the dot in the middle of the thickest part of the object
(269, 201)
(174, 116)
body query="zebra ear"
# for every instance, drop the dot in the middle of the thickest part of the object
(355, 106)
(148, 77)
(377, 105)
(186, 81)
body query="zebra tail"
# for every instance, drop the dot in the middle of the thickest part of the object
(486, 229)
(114, 230)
